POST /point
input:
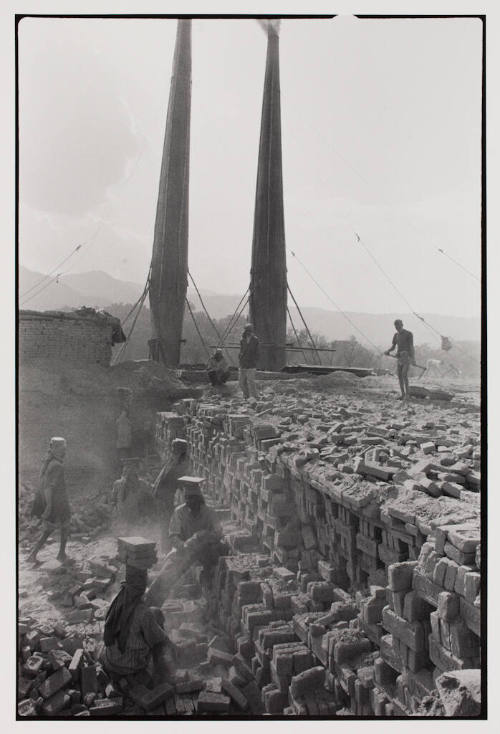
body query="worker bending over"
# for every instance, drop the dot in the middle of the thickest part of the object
(193, 516)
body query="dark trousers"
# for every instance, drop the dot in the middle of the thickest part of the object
(217, 378)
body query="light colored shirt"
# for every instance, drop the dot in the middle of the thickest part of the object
(184, 524)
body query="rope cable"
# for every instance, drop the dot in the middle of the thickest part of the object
(50, 274)
(439, 249)
(212, 323)
(414, 313)
(235, 315)
(127, 340)
(305, 325)
(296, 335)
(377, 350)
(197, 329)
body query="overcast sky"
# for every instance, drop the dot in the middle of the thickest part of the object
(381, 126)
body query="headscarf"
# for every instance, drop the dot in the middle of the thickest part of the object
(121, 612)
(56, 443)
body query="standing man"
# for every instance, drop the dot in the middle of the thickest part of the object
(57, 511)
(405, 354)
(166, 485)
(248, 358)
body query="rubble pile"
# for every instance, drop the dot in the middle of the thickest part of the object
(362, 590)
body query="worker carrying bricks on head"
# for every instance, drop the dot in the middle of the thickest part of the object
(136, 643)
(248, 358)
(402, 341)
(51, 502)
(217, 369)
(165, 487)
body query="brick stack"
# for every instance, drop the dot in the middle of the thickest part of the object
(330, 519)
(137, 552)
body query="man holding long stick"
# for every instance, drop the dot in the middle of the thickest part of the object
(402, 341)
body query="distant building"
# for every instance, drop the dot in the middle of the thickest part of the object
(85, 336)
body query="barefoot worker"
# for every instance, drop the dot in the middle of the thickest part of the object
(403, 341)
(53, 503)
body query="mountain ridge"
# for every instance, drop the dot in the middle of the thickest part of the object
(100, 290)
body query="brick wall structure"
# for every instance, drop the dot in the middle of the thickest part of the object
(349, 592)
(68, 337)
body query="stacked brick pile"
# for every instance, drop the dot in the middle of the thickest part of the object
(347, 498)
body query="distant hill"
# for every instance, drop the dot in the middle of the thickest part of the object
(94, 288)
(99, 289)
(379, 328)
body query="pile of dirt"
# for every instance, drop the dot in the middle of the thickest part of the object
(323, 383)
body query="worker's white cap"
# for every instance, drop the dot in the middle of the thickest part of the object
(56, 442)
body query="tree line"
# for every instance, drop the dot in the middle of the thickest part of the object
(200, 340)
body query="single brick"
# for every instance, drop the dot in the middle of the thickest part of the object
(307, 681)
(55, 682)
(213, 702)
(448, 606)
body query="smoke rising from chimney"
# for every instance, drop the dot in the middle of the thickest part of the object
(270, 26)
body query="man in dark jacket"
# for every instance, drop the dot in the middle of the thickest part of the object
(248, 358)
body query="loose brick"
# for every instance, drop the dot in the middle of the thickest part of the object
(400, 575)
(307, 681)
(55, 682)
(106, 706)
(235, 694)
(448, 605)
(472, 585)
(56, 703)
(212, 702)
(411, 633)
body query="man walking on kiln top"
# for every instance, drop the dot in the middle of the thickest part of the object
(402, 341)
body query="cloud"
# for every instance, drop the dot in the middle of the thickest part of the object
(76, 137)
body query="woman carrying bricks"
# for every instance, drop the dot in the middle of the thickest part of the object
(135, 640)
(57, 511)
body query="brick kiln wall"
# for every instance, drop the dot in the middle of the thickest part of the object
(64, 337)
(401, 591)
